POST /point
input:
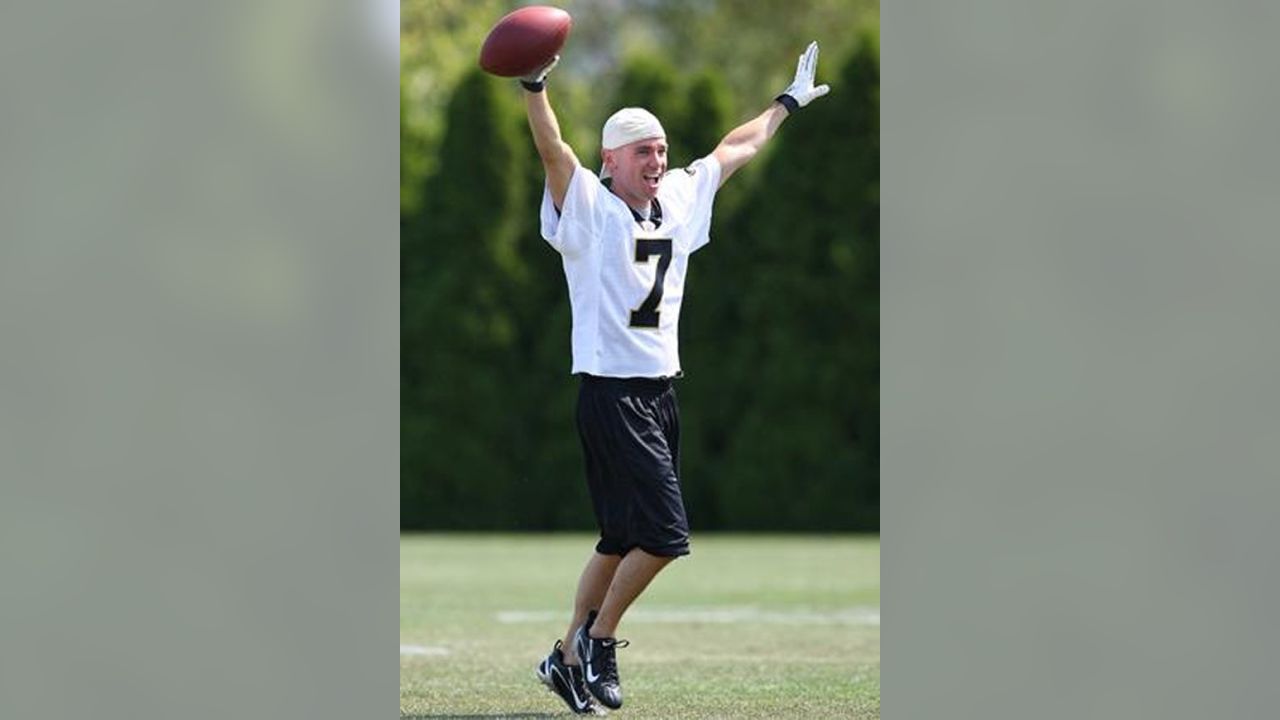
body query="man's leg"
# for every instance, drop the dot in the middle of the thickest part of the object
(632, 577)
(595, 645)
(592, 587)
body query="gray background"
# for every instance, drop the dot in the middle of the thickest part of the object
(1079, 359)
(198, 406)
(199, 329)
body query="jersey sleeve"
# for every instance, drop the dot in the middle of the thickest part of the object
(571, 228)
(703, 179)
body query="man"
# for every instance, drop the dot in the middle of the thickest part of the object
(625, 239)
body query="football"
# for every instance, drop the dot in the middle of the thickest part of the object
(525, 40)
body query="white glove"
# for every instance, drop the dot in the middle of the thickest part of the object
(802, 92)
(536, 80)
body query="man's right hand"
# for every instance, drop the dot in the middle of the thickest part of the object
(537, 80)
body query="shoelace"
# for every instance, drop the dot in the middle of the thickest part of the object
(608, 660)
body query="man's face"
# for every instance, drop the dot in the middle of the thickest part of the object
(636, 169)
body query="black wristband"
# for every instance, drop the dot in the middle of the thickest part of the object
(537, 87)
(788, 102)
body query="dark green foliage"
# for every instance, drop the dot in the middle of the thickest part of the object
(707, 114)
(796, 378)
(487, 435)
(779, 337)
(462, 277)
(650, 82)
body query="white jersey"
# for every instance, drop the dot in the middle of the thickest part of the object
(626, 283)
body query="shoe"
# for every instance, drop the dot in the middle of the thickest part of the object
(599, 664)
(566, 681)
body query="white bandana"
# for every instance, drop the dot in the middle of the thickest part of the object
(627, 126)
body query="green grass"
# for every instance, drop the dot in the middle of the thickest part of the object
(811, 661)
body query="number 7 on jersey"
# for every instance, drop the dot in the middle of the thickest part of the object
(646, 316)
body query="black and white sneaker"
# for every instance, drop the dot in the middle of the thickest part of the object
(599, 664)
(566, 681)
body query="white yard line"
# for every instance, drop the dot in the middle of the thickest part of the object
(430, 650)
(717, 615)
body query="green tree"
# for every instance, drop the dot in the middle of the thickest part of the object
(754, 43)
(439, 41)
(462, 277)
(798, 353)
(651, 82)
(708, 110)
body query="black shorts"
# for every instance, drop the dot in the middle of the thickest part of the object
(630, 431)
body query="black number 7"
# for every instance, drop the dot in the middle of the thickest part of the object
(646, 316)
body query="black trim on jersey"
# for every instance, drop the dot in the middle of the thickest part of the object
(655, 208)
(655, 215)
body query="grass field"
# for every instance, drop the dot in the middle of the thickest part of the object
(748, 626)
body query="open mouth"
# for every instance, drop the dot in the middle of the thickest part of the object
(651, 181)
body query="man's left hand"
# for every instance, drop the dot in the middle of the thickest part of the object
(802, 92)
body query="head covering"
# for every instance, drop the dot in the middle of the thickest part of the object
(627, 126)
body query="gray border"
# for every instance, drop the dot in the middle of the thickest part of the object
(199, 363)
(1079, 359)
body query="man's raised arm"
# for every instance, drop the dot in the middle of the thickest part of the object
(557, 157)
(743, 142)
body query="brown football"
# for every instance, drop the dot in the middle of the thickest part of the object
(525, 40)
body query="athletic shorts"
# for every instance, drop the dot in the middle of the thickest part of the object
(630, 431)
